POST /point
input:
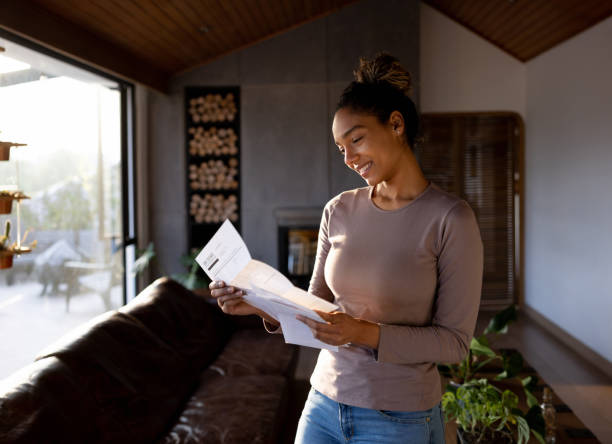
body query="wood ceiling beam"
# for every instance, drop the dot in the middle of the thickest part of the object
(28, 20)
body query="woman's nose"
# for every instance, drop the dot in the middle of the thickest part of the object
(349, 156)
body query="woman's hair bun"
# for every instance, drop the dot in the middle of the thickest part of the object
(384, 68)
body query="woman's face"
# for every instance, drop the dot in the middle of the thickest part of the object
(371, 149)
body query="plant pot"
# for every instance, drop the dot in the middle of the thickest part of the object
(6, 260)
(6, 204)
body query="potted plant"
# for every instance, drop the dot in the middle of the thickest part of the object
(6, 200)
(494, 415)
(486, 414)
(7, 251)
(193, 279)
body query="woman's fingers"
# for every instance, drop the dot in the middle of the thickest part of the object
(228, 297)
(216, 284)
(225, 290)
(330, 332)
(230, 303)
(317, 328)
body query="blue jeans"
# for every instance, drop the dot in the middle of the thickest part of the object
(325, 421)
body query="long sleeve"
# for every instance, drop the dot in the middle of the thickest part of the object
(318, 286)
(459, 285)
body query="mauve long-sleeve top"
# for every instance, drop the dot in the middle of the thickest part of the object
(417, 272)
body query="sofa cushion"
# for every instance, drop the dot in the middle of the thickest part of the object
(251, 352)
(182, 319)
(33, 405)
(232, 409)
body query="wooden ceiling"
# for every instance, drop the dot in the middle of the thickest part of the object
(149, 41)
(525, 28)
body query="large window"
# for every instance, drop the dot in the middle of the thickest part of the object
(75, 170)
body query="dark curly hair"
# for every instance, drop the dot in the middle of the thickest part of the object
(382, 86)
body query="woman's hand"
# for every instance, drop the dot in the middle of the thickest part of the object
(340, 329)
(229, 298)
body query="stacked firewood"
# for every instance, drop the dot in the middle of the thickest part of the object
(213, 208)
(213, 108)
(212, 142)
(214, 175)
(213, 153)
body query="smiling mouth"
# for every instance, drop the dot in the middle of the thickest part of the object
(365, 168)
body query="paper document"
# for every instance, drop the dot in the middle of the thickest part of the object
(226, 258)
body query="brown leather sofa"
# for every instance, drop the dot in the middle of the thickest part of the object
(169, 367)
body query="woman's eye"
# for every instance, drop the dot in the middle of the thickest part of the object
(357, 139)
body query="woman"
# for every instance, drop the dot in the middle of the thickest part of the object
(403, 260)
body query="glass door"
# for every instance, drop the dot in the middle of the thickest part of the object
(75, 170)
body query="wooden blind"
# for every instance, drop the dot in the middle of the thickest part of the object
(476, 156)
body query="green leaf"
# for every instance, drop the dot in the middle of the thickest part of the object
(483, 340)
(480, 349)
(523, 430)
(187, 260)
(501, 424)
(483, 363)
(502, 375)
(532, 384)
(531, 399)
(509, 399)
(499, 322)
(143, 260)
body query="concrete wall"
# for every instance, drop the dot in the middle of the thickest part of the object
(289, 87)
(461, 71)
(568, 204)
